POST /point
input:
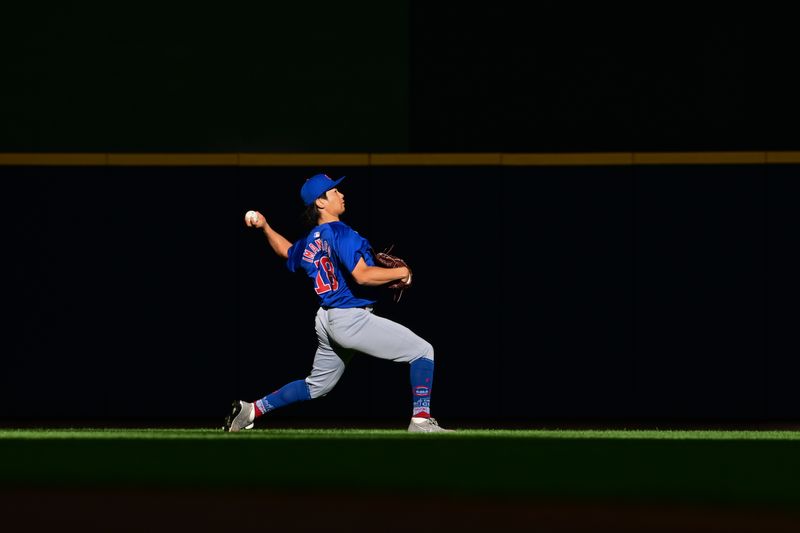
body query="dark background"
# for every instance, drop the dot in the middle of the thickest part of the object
(649, 293)
(178, 77)
(363, 76)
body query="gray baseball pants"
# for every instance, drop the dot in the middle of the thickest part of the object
(342, 333)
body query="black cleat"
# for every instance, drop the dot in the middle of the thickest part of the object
(241, 417)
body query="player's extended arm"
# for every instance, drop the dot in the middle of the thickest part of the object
(374, 275)
(278, 242)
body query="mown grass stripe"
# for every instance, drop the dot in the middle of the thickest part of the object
(694, 467)
(270, 434)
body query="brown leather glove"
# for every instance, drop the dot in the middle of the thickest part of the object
(387, 260)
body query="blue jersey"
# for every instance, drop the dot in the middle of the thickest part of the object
(328, 254)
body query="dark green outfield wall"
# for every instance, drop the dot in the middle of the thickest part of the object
(604, 291)
(649, 292)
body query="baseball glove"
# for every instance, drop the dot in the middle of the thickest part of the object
(387, 260)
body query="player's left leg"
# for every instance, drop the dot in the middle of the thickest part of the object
(421, 385)
(365, 332)
(362, 331)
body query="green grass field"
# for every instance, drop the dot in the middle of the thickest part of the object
(682, 467)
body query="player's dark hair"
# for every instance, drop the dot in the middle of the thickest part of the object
(311, 213)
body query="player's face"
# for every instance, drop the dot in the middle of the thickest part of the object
(335, 202)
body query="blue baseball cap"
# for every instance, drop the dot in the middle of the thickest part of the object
(315, 186)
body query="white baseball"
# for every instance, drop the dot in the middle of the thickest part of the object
(252, 216)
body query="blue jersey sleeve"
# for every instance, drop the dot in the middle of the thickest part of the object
(295, 255)
(351, 247)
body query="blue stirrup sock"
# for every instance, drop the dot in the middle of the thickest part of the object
(296, 391)
(421, 384)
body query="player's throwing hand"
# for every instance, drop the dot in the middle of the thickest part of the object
(254, 219)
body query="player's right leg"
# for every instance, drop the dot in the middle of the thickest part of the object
(244, 413)
(329, 364)
(328, 367)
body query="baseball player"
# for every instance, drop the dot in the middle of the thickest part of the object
(341, 266)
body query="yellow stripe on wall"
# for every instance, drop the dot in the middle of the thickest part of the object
(425, 159)
(699, 158)
(167, 160)
(574, 159)
(399, 159)
(783, 157)
(303, 160)
(61, 160)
